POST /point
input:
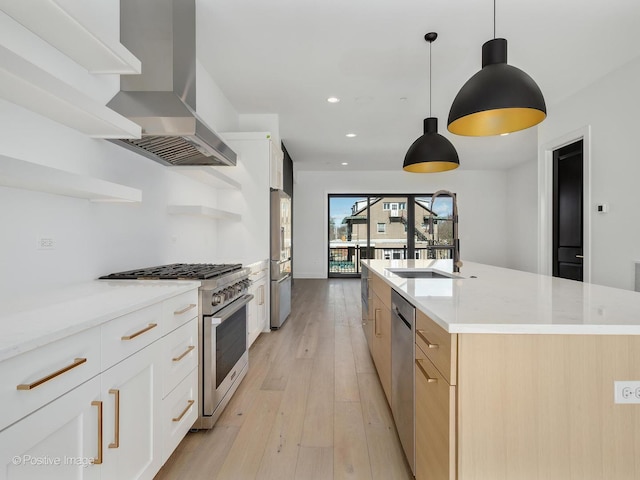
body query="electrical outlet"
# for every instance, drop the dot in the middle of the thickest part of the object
(626, 392)
(46, 243)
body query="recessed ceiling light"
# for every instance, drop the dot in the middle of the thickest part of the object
(345, 163)
(350, 135)
(333, 99)
(504, 134)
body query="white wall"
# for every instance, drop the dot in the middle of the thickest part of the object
(93, 239)
(482, 196)
(611, 107)
(522, 216)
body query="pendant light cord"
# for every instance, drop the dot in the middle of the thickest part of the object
(430, 78)
(494, 19)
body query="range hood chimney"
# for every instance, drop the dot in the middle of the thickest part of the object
(162, 99)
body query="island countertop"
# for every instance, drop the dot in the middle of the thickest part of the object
(489, 299)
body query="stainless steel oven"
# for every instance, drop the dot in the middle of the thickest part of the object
(225, 356)
(223, 342)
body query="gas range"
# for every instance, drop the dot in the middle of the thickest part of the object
(221, 283)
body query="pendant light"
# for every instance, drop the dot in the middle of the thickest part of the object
(431, 152)
(499, 99)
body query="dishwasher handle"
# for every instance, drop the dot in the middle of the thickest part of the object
(401, 317)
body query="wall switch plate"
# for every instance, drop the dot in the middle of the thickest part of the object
(46, 243)
(626, 392)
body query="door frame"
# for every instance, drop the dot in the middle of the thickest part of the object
(545, 199)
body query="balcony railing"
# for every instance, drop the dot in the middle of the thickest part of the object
(346, 260)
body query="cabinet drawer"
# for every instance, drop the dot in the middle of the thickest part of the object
(178, 310)
(179, 355)
(435, 422)
(381, 289)
(127, 334)
(179, 413)
(35, 378)
(439, 345)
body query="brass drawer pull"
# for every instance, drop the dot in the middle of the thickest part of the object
(185, 309)
(98, 459)
(140, 332)
(116, 427)
(424, 372)
(184, 412)
(375, 322)
(429, 344)
(30, 386)
(184, 354)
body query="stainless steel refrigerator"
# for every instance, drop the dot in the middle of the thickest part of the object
(280, 257)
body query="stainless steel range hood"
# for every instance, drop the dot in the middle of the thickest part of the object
(162, 99)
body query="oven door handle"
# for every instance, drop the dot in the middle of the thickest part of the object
(226, 312)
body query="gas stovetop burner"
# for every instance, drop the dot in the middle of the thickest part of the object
(176, 271)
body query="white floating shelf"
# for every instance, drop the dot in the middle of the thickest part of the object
(31, 87)
(64, 31)
(208, 175)
(201, 210)
(27, 175)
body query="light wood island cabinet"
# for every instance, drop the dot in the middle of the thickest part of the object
(515, 375)
(530, 407)
(381, 338)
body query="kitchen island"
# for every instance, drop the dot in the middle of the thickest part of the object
(515, 373)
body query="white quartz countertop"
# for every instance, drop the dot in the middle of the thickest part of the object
(488, 299)
(32, 321)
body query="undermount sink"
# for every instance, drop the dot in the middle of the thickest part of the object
(420, 273)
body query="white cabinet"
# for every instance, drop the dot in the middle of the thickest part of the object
(257, 319)
(276, 160)
(110, 402)
(131, 397)
(248, 241)
(57, 442)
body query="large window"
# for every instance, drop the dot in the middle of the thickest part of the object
(387, 227)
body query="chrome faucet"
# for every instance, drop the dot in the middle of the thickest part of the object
(457, 263)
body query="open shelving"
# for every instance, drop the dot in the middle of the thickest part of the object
(204, 211)
(17, 173)
(66, 32)
(31, 87)
(209, 176)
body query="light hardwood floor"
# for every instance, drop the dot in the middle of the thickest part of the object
(311, 406)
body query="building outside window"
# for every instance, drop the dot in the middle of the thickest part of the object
(382, 227)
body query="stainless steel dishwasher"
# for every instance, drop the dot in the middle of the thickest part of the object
(403, 317)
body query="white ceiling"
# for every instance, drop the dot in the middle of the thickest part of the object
(288, 56)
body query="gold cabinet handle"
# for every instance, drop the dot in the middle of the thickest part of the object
(98, 459)
(184, 354)
(429, 344)
(424, 372)
(185, 309)
(139, 332)
(184, 412)
(579, 256)
(116, 427)
(37, 383)
(375, 322)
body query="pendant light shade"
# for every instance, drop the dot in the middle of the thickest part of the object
(498, 99)
(431, 152)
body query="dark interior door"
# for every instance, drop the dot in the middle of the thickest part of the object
(568, 211)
